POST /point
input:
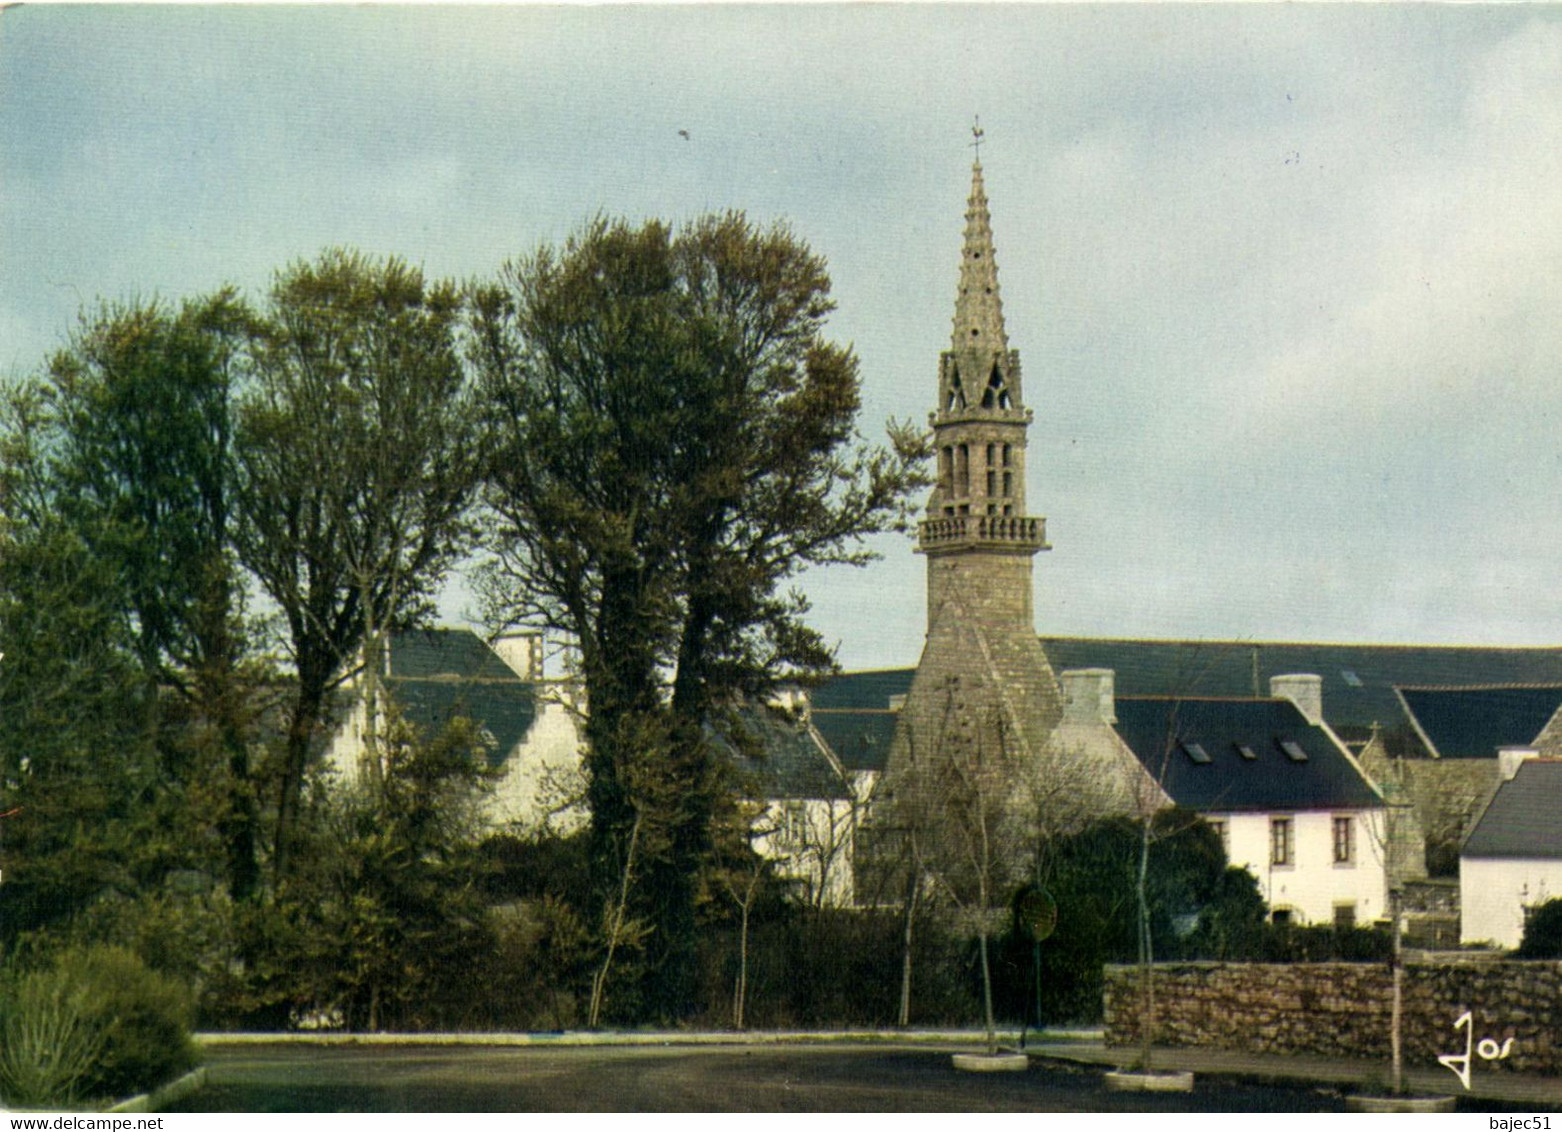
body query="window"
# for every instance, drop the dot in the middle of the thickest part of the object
(1281, 847)
(1345, 916)
(1197, 753)
(794, 822)
(1344, 841)
(1247, 752)
(1223, 831)
(1280, 916)
(1293, 750)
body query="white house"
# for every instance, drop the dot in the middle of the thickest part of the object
(1290, 802)
(533, 728)
(1512, 858)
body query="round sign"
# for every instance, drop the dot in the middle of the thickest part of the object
(1037, 912)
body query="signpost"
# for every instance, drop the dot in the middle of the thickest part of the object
(1036, 912)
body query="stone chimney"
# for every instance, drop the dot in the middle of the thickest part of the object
(1509, 759)
(1304, 690)
(522, 651)
(1089, 695)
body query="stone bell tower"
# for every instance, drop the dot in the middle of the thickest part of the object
(978, 540)
(973, 735)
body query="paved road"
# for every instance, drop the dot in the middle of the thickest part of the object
(760, 1079)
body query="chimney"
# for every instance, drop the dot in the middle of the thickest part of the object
(1089, 695)
(522, 651)
(1509, 759)
(1302, 689)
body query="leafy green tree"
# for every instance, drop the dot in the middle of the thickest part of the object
(355, 447)
(673, 441)
(115, 584)
(382, 920)
(1542, 932)
(136, 464)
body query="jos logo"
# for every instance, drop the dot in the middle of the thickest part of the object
(1487, 1050)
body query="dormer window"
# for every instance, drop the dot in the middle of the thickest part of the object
(1197, 754)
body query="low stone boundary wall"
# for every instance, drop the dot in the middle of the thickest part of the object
(1343, 1009)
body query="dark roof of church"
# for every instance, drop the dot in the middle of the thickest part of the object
(1472, 723)
(1358, 680)
(1522, 819)
(776, 757)
(1193, 748)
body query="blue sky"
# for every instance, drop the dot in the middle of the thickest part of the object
(1284, 279)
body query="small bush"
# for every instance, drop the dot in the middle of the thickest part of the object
(1542, 932)
(97, 1023)
(49, 1045)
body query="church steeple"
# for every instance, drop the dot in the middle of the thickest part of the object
(976, 515)
(978, 308)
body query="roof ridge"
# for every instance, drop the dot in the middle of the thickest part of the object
(1505, 687)
(1253, 643)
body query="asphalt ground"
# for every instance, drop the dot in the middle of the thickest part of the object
(876, 1078)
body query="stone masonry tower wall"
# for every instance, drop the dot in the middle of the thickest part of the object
(971, 752)
(977, 537)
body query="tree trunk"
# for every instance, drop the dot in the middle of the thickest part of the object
(987, 992)
(905, 954)
(599, 981)
(742, 988)
(1146, 954)
(1396, 1012)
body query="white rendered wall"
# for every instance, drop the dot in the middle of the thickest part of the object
(1313, 885)
(543, 788)
(1493, 894)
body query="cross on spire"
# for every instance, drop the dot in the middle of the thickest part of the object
(976, 136)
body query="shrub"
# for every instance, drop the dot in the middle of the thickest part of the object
(97, 1023)
(1542, 931)
(48, 1044)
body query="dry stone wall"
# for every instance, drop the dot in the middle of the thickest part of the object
(1342, 1009)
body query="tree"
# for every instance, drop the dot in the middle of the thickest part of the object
(1542, 931)
(138, 467)
(356, 450)
(673, 441)
(122, 705)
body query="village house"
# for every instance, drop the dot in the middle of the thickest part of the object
(1512, 860)
(531, 727)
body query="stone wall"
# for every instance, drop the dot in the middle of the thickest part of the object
(1342, 1009)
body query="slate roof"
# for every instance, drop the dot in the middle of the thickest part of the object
(777, 758)
(852, 713)
(438, 675)
(421, 653)
(1228, 781)
(1472, 723)
(1358, 680)
(860, 739)
(1524, 818)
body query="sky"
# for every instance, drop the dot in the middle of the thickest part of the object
(1284, 279)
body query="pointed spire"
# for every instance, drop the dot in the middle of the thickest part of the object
(978, 310)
